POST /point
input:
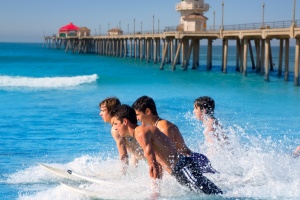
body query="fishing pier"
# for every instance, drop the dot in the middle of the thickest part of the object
(181, 44)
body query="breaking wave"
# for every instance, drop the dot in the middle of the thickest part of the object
(46, 82)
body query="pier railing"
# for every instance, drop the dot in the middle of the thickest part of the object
(265, 25)
(250, 26)
(216, 28)
(144, 32)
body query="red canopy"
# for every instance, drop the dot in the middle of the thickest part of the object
(69, 27)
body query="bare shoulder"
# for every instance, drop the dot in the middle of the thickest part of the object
(115, 134)
(211, 121)
(143, 135)
(142, 129)
(146, 130)
(167, 126)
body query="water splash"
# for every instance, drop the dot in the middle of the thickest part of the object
(250, 167)
(37, 183)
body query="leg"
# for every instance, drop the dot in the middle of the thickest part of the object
(207, 186)
(197, 183)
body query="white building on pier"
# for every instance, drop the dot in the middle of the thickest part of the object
(191, 15)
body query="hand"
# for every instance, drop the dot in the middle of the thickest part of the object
(155, 171)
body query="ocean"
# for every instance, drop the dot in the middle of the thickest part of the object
(49, 114)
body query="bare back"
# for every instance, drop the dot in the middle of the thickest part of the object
(172, 131)
(157, 146)
(214, 131)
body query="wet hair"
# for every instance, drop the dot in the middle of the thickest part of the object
(144, 102)
(124, 111)
(206, 103)
(110, 103)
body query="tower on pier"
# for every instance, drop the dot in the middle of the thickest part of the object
(191, 15)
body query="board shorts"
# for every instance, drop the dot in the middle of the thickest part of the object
(188, 173)
(203, 162)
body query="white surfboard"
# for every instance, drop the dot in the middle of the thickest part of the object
(83, 191)
(89, 178)
(60, 172)
(69, 174)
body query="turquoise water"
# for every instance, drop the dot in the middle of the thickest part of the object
(49, 114)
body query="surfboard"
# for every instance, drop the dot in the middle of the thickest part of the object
(59, 172)
(69, 174)
(83, 191)
(88, 178)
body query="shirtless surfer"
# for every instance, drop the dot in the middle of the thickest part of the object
(204, 110)
(160, 151)
(146, 112)
(124, 144)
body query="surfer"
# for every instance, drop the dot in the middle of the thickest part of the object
(160, 152)
(146, 112)
(204, 111)
(125, 145)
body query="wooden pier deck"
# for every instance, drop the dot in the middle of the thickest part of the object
(173, 47)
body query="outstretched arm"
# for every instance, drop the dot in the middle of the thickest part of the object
(144, 138)
(121, 145)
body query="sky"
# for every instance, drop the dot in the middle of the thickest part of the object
(31, 20)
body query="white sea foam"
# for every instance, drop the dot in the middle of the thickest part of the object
(257, 168)
(255, 175)
(46, 82)
(40, 184)
(251, 166)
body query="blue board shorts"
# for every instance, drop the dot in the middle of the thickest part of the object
(188, 173)
(203, 163)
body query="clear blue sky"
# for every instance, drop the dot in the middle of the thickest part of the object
(30, 20)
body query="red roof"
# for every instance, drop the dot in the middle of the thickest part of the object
(69, 27)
